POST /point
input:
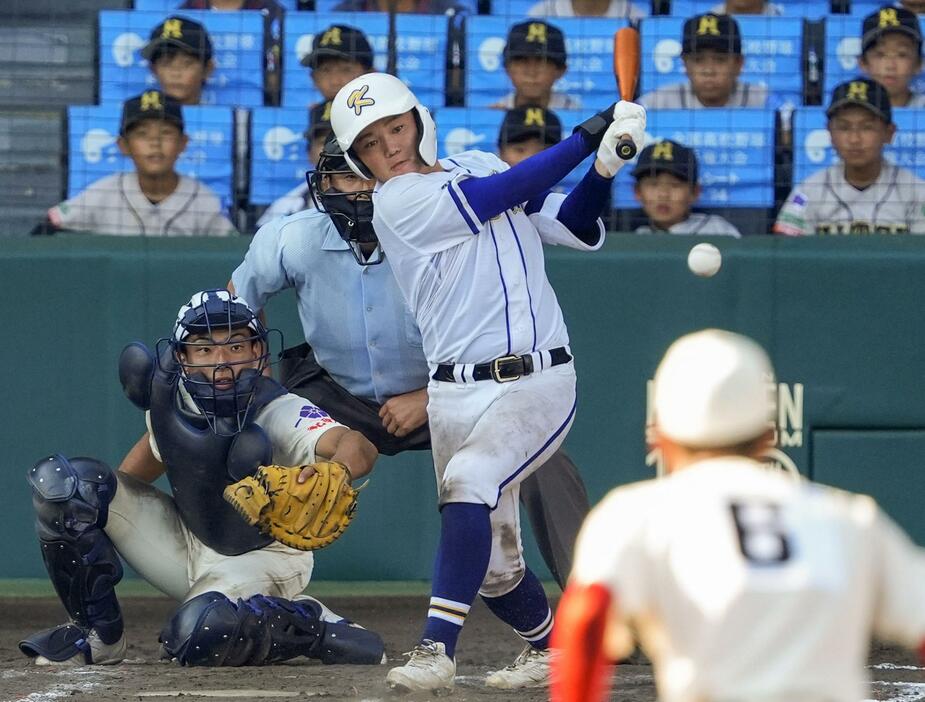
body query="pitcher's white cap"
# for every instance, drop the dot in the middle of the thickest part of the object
(714, 389)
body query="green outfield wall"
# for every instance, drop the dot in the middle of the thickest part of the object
(843, 319)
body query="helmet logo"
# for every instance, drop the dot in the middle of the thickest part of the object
(358, 100)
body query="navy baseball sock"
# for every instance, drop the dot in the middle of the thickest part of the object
(526, 609)
(462, 560)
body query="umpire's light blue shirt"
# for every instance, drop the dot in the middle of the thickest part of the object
(353, 316)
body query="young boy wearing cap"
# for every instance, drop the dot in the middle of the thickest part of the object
(891, 53)
(154, 200)
(534, 59)
(864, 193)
(711, 49)
(526, 131)
(299, 198)
(179, 53)
(339, 54)
(667, 188)
(272, 13)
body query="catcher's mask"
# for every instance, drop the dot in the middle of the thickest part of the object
(351, 211)
(222, 349)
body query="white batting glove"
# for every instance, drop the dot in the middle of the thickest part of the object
(628, 118)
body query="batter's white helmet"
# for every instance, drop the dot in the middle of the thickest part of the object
(369, 98)
(713, 389)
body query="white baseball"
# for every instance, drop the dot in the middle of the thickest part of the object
(704, 260)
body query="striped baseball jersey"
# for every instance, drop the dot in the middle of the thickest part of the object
(697, 223)
(744, 584)
(116, 205)
(478, 290)
(681, 96)
(825, 203)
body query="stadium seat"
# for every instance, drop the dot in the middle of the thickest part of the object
(809, 9)
(735, 151)
(237, 38)
(421, 52)
(812, 145)
(168, 5)
(94, 153)
(588, 44)
(279, 155)
(772, 46)
(843, 47)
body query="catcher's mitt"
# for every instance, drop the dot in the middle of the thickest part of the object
(306, 516)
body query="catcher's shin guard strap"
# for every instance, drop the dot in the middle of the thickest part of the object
(60, 643)
(211, 630)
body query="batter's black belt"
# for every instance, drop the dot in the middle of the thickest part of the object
(501, 370)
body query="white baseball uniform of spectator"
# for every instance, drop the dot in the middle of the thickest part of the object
(738, 581)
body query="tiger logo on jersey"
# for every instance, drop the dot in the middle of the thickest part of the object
(357, 100)
(861, 227)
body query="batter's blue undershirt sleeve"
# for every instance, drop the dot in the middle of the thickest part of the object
(581, 207)
(489, 196)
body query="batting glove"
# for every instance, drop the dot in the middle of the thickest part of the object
(628, 118)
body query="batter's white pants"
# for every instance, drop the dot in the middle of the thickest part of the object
(486, 438)
(147, 531)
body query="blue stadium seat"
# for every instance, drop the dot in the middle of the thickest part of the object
(168, 5)
(329, 5)
(810, 9)
(279, 152)
(812, 145)
(421, 52)
(735, 151)
(588, 44)
(237, 40)
(772, 47)
(462, 129)
(843, 47)
(94, 154)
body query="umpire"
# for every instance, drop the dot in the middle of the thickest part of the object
(363, 362)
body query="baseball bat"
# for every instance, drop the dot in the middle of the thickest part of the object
(626, 71)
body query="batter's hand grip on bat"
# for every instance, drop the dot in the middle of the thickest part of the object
(626, 147)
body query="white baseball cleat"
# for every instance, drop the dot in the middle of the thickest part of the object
(428, 669)
(530, 669)
(100, 653)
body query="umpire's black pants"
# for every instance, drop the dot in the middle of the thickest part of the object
(554, 496)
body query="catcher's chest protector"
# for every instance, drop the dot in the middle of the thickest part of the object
(197, 459)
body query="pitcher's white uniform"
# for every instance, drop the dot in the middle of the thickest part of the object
(825, 203)
(150, 535)
(479, 292)
(745, 585)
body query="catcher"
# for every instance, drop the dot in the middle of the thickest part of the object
(213, 417)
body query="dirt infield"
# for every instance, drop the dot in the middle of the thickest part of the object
(486, 644)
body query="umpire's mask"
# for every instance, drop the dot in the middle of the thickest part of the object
(347, 200)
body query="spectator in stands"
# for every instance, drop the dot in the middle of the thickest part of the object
(272, 13)
(526, 131)
(420, 7)
(587, 8)
(667, 188)
(153, 200)
(535, 58)
(339, 54)
(891, 53)
(179, 53)
(711, 49)
(748, 7)
(299, 198)
(864, 193)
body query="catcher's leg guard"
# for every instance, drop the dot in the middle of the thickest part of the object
(212, 630)
(71, 499)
